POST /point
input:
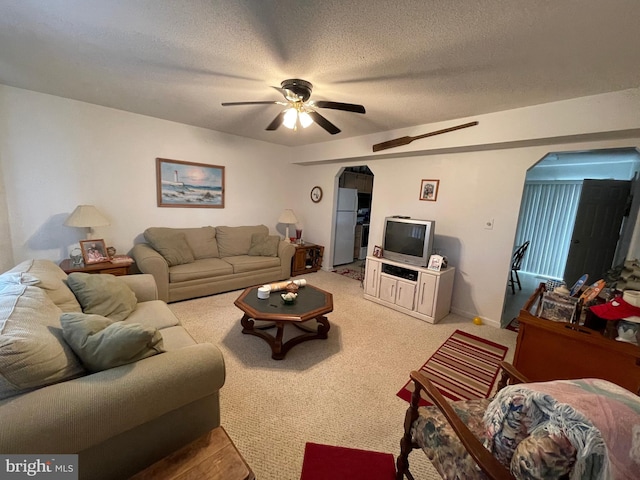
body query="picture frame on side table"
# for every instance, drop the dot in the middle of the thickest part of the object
(189, 184)
(377, 251)
(94, 251)
(435, 263)
(429, 190)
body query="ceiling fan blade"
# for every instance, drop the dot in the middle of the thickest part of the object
(276, 122)
(231, 104)
(323, 122)
(348, 107)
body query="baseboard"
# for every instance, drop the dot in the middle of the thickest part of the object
(487, 321)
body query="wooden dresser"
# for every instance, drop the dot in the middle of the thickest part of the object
(547, 350)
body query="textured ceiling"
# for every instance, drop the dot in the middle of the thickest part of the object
(408, 62)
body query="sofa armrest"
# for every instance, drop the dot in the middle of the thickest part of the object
(144, 286)
(75, 415)
(286, 251)
(151, 262)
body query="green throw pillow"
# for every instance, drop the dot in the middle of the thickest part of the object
(101, 343)
(102, 294)
(170, 244)
(264, 245)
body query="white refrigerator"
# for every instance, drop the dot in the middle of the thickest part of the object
(346, 216)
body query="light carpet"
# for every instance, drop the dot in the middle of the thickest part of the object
(340, 391)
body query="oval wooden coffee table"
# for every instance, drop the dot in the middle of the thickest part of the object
(312, 304)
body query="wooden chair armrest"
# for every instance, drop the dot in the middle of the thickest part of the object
(510, 376)
(485, 460)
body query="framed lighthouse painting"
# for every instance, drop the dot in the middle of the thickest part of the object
(188, 184)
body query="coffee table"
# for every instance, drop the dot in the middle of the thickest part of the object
(312, 304)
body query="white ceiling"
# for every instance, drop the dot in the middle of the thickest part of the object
(408, 62)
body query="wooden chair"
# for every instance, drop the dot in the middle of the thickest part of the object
(469, 441)
(518, 255)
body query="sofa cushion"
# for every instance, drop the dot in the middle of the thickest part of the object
(102, 295)
(33, 352)
(543, 455)
(102, 343)
(264, 245)
(171, 244)
(202, 241)
(52, 279)
(234, 241)
(205, 268)
(246, 263)
(154, 313)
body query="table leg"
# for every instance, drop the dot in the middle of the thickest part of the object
(279, 349)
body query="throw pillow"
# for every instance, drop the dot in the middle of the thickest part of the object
(102, 343)
(33, 352)
(264, 245)
(170, 244)
(103, 294)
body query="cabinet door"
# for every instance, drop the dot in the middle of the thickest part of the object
(426, 293)
(300, 259)
(405, 293)
(388, 288)
(372, 275)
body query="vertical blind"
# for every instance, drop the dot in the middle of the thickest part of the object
(547, 216)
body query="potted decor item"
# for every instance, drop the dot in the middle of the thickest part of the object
(289, 297)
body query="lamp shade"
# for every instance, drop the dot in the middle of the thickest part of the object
(287, 217)
(86, 216)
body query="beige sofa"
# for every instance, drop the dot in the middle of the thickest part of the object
(119, 420)
(195, 262)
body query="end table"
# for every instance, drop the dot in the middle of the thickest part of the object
(307, 259)
(104, 267)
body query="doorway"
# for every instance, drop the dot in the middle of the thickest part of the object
(564, 172)
(353, 213)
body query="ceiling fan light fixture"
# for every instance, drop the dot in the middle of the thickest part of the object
(305, 119)
(290, 118)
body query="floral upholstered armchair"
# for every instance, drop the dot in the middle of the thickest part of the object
(574, 429)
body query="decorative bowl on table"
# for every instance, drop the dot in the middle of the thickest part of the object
(291, 287)
(289, 297)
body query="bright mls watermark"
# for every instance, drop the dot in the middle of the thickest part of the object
(49, 467)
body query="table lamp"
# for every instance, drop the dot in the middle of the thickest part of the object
(287, 217)
(86, 216)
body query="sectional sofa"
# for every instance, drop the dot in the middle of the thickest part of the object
(196, 262)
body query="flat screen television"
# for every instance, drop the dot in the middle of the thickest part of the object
(408, 240)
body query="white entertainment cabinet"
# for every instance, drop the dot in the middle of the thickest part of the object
(416, 291)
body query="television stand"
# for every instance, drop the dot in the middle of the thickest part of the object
(415, 291)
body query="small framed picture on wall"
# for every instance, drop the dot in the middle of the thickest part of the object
(377, 251)
(429, 190)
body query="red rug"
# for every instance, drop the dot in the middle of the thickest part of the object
(463, 367)
(514, 325)
(351, 273)
(324, 462)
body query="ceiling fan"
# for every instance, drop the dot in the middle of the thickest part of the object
(299, 109)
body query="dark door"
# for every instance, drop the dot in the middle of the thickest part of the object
(602, 206)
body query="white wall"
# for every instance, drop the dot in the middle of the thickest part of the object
(480, 179)
(58, 153)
